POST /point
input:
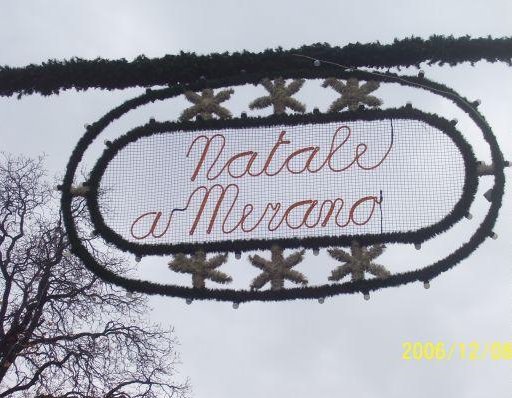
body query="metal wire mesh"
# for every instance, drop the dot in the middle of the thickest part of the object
(257, 183)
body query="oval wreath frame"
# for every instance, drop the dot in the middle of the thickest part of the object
(424, 274)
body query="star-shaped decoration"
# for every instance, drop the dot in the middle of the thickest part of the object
(358, 262)
(352, 95)
(278, 269)
(280, 96)
(207, 104)
(200, 268)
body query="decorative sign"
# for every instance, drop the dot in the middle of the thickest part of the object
(393, 178)
(350, 180)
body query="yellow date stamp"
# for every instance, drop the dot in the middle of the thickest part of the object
(465, 351)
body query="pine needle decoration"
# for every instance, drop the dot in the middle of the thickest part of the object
(358, 262)
(280, 96)
(351, 94)
(200, 268)
(207, 104)
(278, 269)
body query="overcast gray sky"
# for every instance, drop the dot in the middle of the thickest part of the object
(347, 346)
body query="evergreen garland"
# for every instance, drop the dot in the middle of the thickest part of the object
(185, 68)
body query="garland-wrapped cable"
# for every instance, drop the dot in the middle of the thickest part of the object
(53, 76)
(424, 274)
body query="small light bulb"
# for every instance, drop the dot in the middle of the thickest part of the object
(188, 301)
(138, 259)
(426, 285)
(454, 121)
(317, 62)
(238, 255)
(488, 195)
(469, 216)
(316, 251)
(417, 246)
(321, 300)
(477, 102)
(367, 296)
(235, 305)
(494, 235)
(421, 74)
(129, 294)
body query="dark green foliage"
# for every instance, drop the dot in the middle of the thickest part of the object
(53, 76)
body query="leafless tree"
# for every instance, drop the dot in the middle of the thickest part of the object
(63, 332)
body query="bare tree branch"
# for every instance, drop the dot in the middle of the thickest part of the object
(63, 332)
